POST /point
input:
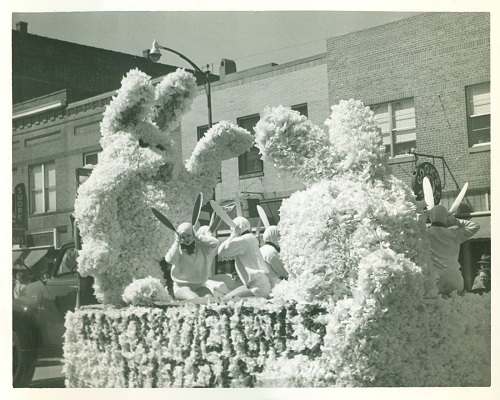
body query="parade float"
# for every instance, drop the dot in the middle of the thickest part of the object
(360, 307)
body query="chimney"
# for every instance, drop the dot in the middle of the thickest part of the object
(22, 27)
(226, 67)
(145, 53)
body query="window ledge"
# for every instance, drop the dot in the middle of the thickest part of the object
(401, 159)
(49, 213)
(252, 175)
(478, 148)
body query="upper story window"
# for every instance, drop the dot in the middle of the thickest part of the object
(301, 108)
(200, 132)
(91, 158)
(396, 119)
(249, 163)
(42, 187)
(478, 113)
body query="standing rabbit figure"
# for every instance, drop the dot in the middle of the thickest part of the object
(140, 167)
(356, 230)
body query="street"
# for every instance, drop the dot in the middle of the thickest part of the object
(48, 374)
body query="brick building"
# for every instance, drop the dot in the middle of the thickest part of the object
(42, 65)
(426, 77)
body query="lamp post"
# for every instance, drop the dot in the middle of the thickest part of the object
(155, 54)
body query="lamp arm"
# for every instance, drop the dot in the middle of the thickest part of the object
(184, 58)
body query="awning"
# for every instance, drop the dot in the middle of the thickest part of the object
(30, 257)
(17, 256)
(484, 231)
(34, 256)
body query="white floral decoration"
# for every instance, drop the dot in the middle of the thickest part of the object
(146, 291)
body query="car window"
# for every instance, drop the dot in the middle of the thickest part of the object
(68, 263)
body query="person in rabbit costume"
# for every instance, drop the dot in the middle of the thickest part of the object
(140, 168)
(351, 211)
(270, 251)
(243, 247)
(446, 234)
(191, 257)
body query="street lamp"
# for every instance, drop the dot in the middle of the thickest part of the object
(155, 54)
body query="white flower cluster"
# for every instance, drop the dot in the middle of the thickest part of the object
(131, 104)
(221, 142)
(174, 96)
(292, 143)
(144, 292)
(356, 140)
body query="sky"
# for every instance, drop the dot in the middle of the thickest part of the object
(205, 31)
(250, 38)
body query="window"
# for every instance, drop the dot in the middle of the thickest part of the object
(397, 122)
(42, 188)
(68, 263)
(91, 158)
(250, 163)
(200, 132)
(301, 108)
(478, 113)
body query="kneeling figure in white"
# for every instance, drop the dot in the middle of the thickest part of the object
(251, 268)
(271, 253)
(191, 257)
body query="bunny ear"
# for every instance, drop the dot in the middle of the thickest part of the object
(197, 209)
(164, 220)
(428, 194)
(215, 221)
(458, 200)
(263, 216)
(239, 211)
(222, 214)
(257, 229)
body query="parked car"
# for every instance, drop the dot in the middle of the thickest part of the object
(38, 314)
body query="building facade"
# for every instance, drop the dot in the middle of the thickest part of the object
(426, 78)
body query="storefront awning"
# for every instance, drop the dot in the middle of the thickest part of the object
(30, 257)
(34, 256)
(17, 256)
(484, 231)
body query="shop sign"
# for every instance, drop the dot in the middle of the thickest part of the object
(19, 215)
(426, 169)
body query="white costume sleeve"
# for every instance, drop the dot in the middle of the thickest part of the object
(173, 255)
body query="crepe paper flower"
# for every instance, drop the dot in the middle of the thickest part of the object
(146, 291)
